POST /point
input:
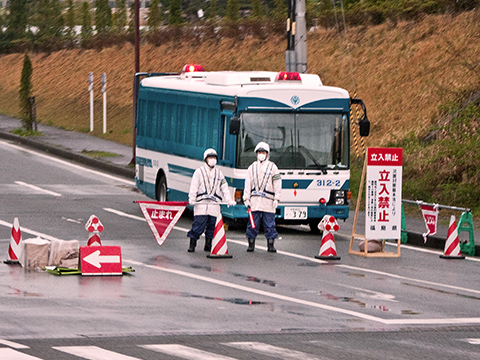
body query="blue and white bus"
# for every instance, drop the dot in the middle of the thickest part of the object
(306, 124)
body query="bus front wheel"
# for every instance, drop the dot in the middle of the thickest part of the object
(162, 189)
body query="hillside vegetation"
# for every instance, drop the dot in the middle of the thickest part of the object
(420, 81)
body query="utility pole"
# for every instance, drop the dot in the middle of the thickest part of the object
(137, 70)
(296, 53)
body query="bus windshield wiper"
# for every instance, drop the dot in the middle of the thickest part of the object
(309, 154)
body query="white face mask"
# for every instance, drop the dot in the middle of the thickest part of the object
(261, 157)
(212, 162)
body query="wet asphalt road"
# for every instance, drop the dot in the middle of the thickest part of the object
(415, 306)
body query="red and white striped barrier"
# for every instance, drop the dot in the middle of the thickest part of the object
(328, 251)
(219, 242)
(15, 247)
(452, 245)
(94, 227)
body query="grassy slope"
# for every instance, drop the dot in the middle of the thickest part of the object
(402, 72)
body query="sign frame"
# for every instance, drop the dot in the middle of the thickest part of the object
(384, 161)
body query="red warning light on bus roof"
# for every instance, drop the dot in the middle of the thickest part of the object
(192, 68)
(288, 76)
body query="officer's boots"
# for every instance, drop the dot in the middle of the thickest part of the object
(251, 245)
(193, 243)
(271, 248)
(208, 245)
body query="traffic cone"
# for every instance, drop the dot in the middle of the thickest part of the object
(94, 227)
(452, 245)
(15, 248)
(219, 242)
(328, 250)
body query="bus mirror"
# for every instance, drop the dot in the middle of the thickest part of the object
(363, 122)
(234, 126)
(364, 125)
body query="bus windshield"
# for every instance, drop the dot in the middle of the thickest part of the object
(297, 140)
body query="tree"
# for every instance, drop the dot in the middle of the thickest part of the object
(49, 19)
(120, 16)
(212, 10)
(233, 8)
(257, 10)
(103, 17)
(131, 22)
(25, 94)
(17, 19)
(280, 9)
(70, 20)
(175, 17)
(154, 15)
(87, 30)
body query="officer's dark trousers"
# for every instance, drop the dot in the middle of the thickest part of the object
(202, 223)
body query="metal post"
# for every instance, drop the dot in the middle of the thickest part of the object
(34, 112)
(90, 88)
(419, 202)
(104, 91)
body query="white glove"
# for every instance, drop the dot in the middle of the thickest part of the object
(191, 202)
(275, 204)
(231, 203)
(247, 203)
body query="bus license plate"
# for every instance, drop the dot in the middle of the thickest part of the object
(295, 213)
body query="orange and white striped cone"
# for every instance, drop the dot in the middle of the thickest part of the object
(15, 247)
(219, 242)
(94, 227)
(328, 251)
(452, 245)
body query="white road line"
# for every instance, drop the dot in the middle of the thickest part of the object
(312, 259)
(10, 354)
(93, 353)
(444, 321)
(185, 352)
(474, 341)
(63, 162)
(139, 218)
(13, 344)
(436, 252)
(53, 193)
(121, 213)
(273, 351)
(257, 291)
(28, 231)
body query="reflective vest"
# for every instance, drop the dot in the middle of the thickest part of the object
(210, 188)
(259, 183)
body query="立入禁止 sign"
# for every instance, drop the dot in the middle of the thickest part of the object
(383, 205)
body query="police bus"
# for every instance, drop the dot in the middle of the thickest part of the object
(306, 124)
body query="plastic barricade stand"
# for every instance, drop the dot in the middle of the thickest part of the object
(465, 224)
(404, 233)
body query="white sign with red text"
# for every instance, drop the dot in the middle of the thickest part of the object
(383, 205)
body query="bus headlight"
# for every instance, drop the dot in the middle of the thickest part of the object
(338, 197)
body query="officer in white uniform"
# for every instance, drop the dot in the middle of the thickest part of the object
(207, 190)
(263, 186)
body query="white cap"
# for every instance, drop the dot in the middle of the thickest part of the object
(262, 146)
(209, 152)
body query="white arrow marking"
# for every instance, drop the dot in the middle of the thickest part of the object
(95, 259)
